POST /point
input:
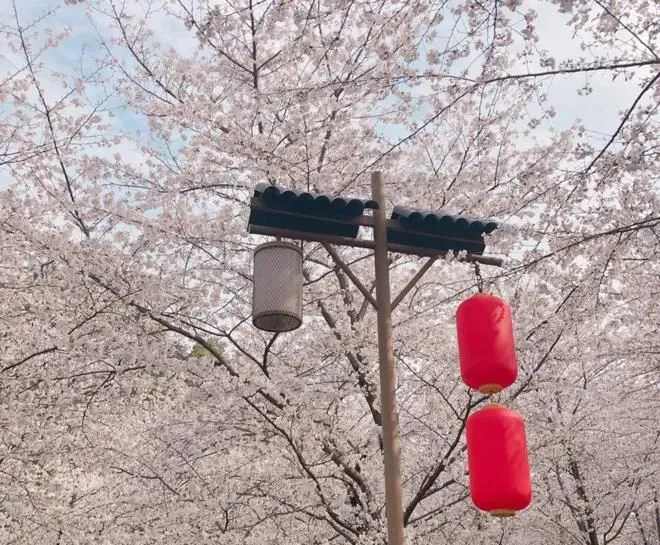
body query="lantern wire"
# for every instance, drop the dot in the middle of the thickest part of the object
(480, 279)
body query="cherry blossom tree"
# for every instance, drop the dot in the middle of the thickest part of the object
(138, 402)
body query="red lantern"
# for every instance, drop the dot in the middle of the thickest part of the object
(486, 345)
(500, 481)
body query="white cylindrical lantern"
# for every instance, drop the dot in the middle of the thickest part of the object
(277, 285)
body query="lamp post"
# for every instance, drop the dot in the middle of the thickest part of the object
(336, 220)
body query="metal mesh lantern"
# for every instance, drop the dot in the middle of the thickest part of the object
(277, 287)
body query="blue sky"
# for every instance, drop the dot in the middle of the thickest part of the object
(600, 111)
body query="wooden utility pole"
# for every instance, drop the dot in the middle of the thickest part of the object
(391, 445)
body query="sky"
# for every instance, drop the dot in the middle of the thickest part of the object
(599, 112)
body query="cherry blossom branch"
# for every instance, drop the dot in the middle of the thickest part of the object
(431, 477)
(624, 120)
(308, 471)
(264, 360)
(47, 112)
(155, 476)
(532, 75)
(28, 358)
(353, 474)
(627, 28)
(130, 46)
(588, 522)
(357, 364)
(647, 223)
(425, 516)
(204, 34)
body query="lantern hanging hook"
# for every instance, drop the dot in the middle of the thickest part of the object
(480, 279)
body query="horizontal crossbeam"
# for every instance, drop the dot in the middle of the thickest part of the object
(361, 243)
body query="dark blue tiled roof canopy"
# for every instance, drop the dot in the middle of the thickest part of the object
(290, 210)
(438, 230)
(274, 203)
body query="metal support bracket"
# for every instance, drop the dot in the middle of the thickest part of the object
(344, 267)
(411, 284)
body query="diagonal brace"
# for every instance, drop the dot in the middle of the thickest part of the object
(411, 284)
(344, 267)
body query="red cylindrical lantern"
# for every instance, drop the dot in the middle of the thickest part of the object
(486, 346)
(500, 480)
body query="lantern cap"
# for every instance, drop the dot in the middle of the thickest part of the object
(279, 322)
(502, 513)
(499, 407)
(495, 406)
(279, 244)
(489, 389)
(481, 296)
